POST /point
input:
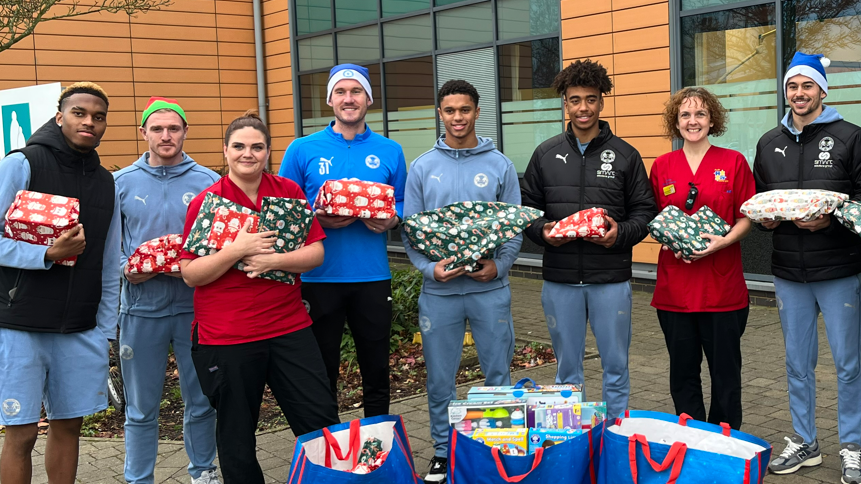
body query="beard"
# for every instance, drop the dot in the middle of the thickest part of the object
(815, 103)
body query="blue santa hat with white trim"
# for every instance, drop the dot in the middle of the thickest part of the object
(810, 65)
(349, 71)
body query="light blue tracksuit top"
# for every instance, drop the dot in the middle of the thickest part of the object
(153, 201)
(443, 176)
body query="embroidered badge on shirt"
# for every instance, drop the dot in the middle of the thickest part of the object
(669, 190)
(720, 176)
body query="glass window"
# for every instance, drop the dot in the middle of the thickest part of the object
(351, 12)
(440, 3)
(316, 113)
(477, 67)
(408, 36)
(524, 18)
(359, 45)
(313, 16)
(531, 110)
(316, 53)
(692, 4)
(463, 26)
(374, 118)
(410, 104)
(732, 53)
(398, 7)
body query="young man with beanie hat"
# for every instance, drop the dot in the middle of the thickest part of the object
(589, 279)
(156, 311)
(56, 320)
(816, 264)
(354, 282)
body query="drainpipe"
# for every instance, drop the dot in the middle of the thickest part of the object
(259, 61)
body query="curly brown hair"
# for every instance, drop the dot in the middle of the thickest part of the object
(583, 74)
(717, 113)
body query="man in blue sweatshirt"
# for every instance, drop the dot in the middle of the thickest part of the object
(156, 311)
(354, 282)
(461, 167)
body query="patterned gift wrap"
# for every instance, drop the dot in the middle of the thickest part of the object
(40, 218)
(226, 225)
(591, 222)
(469, 231)
(850, 215)
(353, 198)
(159, 255)
(198, 238)
(681, 232)
(795, 204)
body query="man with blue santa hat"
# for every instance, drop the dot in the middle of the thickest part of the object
(816, 264)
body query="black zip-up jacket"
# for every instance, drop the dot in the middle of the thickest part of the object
(610, 174)
(825, 156)
(62, 299)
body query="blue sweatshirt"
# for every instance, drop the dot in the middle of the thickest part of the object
(153, 201)
(828, 115)
(443, 176)
(14, 176)
(353, 253)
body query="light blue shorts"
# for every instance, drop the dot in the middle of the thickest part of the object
(66, 372)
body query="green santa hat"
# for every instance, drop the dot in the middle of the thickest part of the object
(155, 103)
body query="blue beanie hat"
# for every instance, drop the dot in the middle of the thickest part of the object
(810, 65)
(349, 71)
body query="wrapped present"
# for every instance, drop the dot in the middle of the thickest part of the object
(681, 232)
(591, 222)
(156, 256)
(353, 198)
(469, 231)
(795, 204)
(849, 214)
(226, 225)
(198, 238)
(40, 218)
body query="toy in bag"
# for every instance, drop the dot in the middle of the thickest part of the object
(795, 204)
(371, 450)
(41, 218)
(849, 214)
(354, 198)
(681, 232)
(468, 231)
(591, 222)
(656, 448)
(156, 256)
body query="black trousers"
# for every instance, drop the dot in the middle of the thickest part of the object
(718, 335)
(234, 376)
(367, 308)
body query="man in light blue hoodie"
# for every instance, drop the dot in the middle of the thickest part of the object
(156, 311)
(461, 167)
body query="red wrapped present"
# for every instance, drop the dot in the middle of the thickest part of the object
(353, 198)
(159, 255)
(591, 222)
(226, 226)
(40, 218)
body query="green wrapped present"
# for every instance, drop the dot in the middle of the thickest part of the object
(681, 232)
(198, 239)
(469, 231)
(849, 214)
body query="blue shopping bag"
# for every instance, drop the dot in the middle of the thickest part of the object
(574, 461)
(325, 456)
(658, 448)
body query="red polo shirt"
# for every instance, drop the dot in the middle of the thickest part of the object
(714, 283)
(235, 309)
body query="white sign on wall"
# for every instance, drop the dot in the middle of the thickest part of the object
(23, 111)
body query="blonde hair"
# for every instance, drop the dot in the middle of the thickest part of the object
(84, 87)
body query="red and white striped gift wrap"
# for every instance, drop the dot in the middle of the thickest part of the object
(353, 198)
(40, 218)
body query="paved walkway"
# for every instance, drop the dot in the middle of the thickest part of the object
(765, 399)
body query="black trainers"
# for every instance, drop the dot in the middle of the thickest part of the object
(437, 472)
(850, 460)
(796, 455)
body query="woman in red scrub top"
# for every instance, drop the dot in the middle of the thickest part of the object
(703, 303)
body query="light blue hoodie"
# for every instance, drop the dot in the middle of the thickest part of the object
(443, 176)
(828, 115)
(153, 201)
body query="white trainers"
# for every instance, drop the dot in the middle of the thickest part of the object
(207, 477)
(850, 460)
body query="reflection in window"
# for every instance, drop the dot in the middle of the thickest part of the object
(316, 113)
(464, 26)
(398, 7)
(351, 12)
(316, 53)
(732, 53)
(359, 45)
(410, 104)
(374, 118)
(313, 16)
(531, 110)
(440, 3)
(525, 18)
(408, 36)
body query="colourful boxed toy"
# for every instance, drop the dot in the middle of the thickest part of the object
(508, 441)
(40, 218)
(353, 198)
(467, 416)
(556, 416)
(547, 437)
(592, 414)
(535, 395)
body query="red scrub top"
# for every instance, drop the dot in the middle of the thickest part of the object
(714, 283)
(234, 309)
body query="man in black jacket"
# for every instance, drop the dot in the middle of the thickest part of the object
(816, 264)
(584, 167)
(55, 320)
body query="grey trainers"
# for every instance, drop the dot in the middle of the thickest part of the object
(796, 455)
(207, 477)
(850, 460)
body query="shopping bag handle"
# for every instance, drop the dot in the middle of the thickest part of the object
(725, 428)
(522, 383)
(332, 445)
(539, 452)
(675, 457)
